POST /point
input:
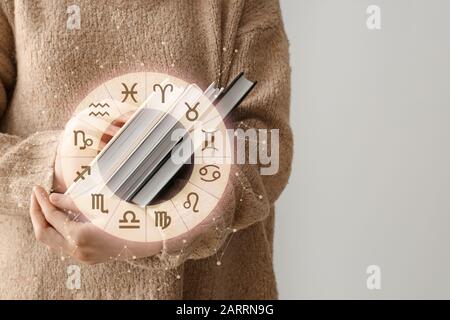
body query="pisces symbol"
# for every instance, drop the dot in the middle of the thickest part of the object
(129, 92)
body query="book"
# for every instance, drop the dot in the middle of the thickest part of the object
(135, 164)
(227, 100)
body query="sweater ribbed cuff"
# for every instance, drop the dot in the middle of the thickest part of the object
(24, 165)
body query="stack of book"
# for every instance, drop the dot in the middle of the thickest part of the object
(136, 164)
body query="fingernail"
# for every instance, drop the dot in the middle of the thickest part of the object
(54, 198)
(40, 192)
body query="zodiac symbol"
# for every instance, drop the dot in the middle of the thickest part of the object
(162, 219)
(80, 175)
(86, 142)
(98, 202)
(188, 204)
(129, 92)
(98, 113)
(215, 174)
(126, 223)
(192, 113)
(209, 142)
(99, 105)
(163, 90)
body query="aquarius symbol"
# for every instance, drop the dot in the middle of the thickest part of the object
(209, 142)
(98, 202)
(126, 223)
(98, 113)
(86, 142)
(162, 219)
(129, 92)
(192, 113)
(188, 204)
(99, 105)
(163, 90)
(215, 174)
(80, 175)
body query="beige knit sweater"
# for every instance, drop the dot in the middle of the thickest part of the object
(47, 68)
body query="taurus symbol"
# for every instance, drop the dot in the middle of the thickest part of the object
(129, 92)
(163, 90)
(188, 204)
(192, 113)
(124, 223)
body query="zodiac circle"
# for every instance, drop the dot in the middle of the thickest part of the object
(163, 90)
(188, 204)
(173, 151)
(126, 223)
(214, 175)
(192, 113)
(129, 92)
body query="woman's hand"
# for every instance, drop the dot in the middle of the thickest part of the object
(58, 223)
(58, 180)
(67, 232)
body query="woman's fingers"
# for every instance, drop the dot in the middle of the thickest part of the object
(65, 202)
(120, 121)
(44, 232)
(109, 133)
(111, 130)
(55, 217)
(37, 217)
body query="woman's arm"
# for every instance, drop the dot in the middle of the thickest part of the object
(24, 162)
(262, 53)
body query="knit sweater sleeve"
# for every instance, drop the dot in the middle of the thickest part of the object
(24, 161)
(260, 51)
(263, 55)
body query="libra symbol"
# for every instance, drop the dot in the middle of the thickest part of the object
(129, 221)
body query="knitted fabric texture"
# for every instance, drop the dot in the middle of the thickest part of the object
(47, 68)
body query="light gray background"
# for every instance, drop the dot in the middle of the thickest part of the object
(371, 176)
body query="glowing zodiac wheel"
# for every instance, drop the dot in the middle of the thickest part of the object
(187, 207)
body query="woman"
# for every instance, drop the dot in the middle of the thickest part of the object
(45, 67)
